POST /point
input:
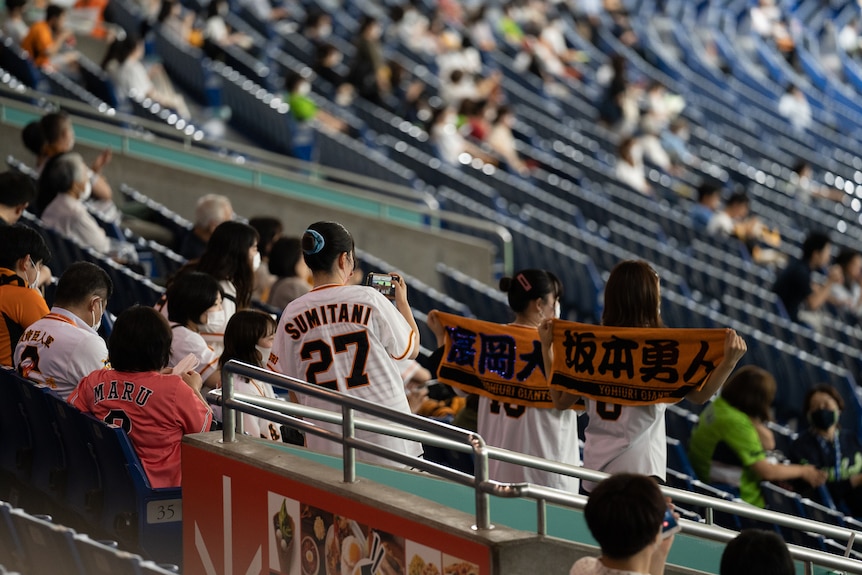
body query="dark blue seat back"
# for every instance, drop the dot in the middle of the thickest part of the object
(49, 464)
(49, 548)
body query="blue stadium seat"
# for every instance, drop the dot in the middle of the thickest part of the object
(11, 552)
(16, 446)
(48, 548)
(784, 501)
(677, 458)
(485, 302)
(49, 463)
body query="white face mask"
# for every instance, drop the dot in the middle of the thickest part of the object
(256, 261)
(97, 324)
(35, 283)
(88, 191)
(324, 31)
(215, 321)
(264, 354)
(303, 89)
(557, 310)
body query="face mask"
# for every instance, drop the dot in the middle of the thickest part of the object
(97, 324)
(823, 419)
(304, 89)
(557, 310)
(215, 321)
(256, 261)
(264, 353)
(324, 31)
(35, 283)
(88, 191)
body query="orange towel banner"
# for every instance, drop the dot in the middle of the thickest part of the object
(502, 362)
(633, 366)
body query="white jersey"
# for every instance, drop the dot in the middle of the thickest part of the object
(186, 341)
(548, 433)
(625, 438)
(348, 339)
(253, 425)
(60, 350)
(214, 337)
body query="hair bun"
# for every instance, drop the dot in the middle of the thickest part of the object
(318, 244)
(505, 284)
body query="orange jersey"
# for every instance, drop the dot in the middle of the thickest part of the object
(38, 42)
(20, 307)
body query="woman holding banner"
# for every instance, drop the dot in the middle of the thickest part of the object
(547, 432)
(628, 436)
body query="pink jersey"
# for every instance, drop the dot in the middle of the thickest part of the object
(155, 410)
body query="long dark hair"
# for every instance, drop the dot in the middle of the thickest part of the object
(750, 390)
(528, 285)
(189, 295)
(243, 331)
(632, 296)
(226, 258)
(141, 341)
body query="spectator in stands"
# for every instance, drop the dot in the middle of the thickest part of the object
(327, 64)
(231, 258)
(674, 140)
(369, 72)
(502, 141)
(268, 230)
(757, 552)
(708, 199)
(848, 37)
(48, 41)
(217, 31)
(66, 178)
(177, 24)
(481, 30)
(124, 64)
(16, 193)
(155, 408)
(317, 27)
(248, 338)
(635, 441)
(847, 295)
(765, 17)
(264, 11)
(625, 514)
(728, 445)
(195, 304)
(288, 266)
(803, 187)
(24, 251)
(447, 140)
(211, 210)
(54, 134)
(828, 447)
(549, 433)
(794, 107)
(629, 168)
(304, 109)
(63, 347)
(733, 220)
(14, 26)
(303, 348)
(794, 284)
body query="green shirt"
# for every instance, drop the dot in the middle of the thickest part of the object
(723, 447)
(302, 107)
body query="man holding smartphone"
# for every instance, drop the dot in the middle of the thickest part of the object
(633, 524)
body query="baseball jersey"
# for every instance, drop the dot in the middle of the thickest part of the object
(20, 307)
(186, 341)
(253, 425)
(156, 410)
(625, 439)
(723, 447)
(548, 433)
(214, 338)
(348, 339)
(60, 350)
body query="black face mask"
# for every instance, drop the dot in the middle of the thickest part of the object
(823, 419)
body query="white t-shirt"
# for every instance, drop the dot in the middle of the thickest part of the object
(548, 433)
(59, 350)
(625, 438)
(592, 566)
(253, 425)
(70, 217)
(131, 77)
(185, 342)
(347, 338)
(216, 29)
(720, 223)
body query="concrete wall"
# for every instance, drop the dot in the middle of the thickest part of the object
(411, 250)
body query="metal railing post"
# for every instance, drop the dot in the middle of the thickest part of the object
(348, 430)
(483, 499)
(541, 517)
(228, 415)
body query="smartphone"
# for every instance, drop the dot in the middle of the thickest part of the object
(384, 283)
(669, 524)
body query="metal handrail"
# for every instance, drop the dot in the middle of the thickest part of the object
(436, 433)
(389, 196)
